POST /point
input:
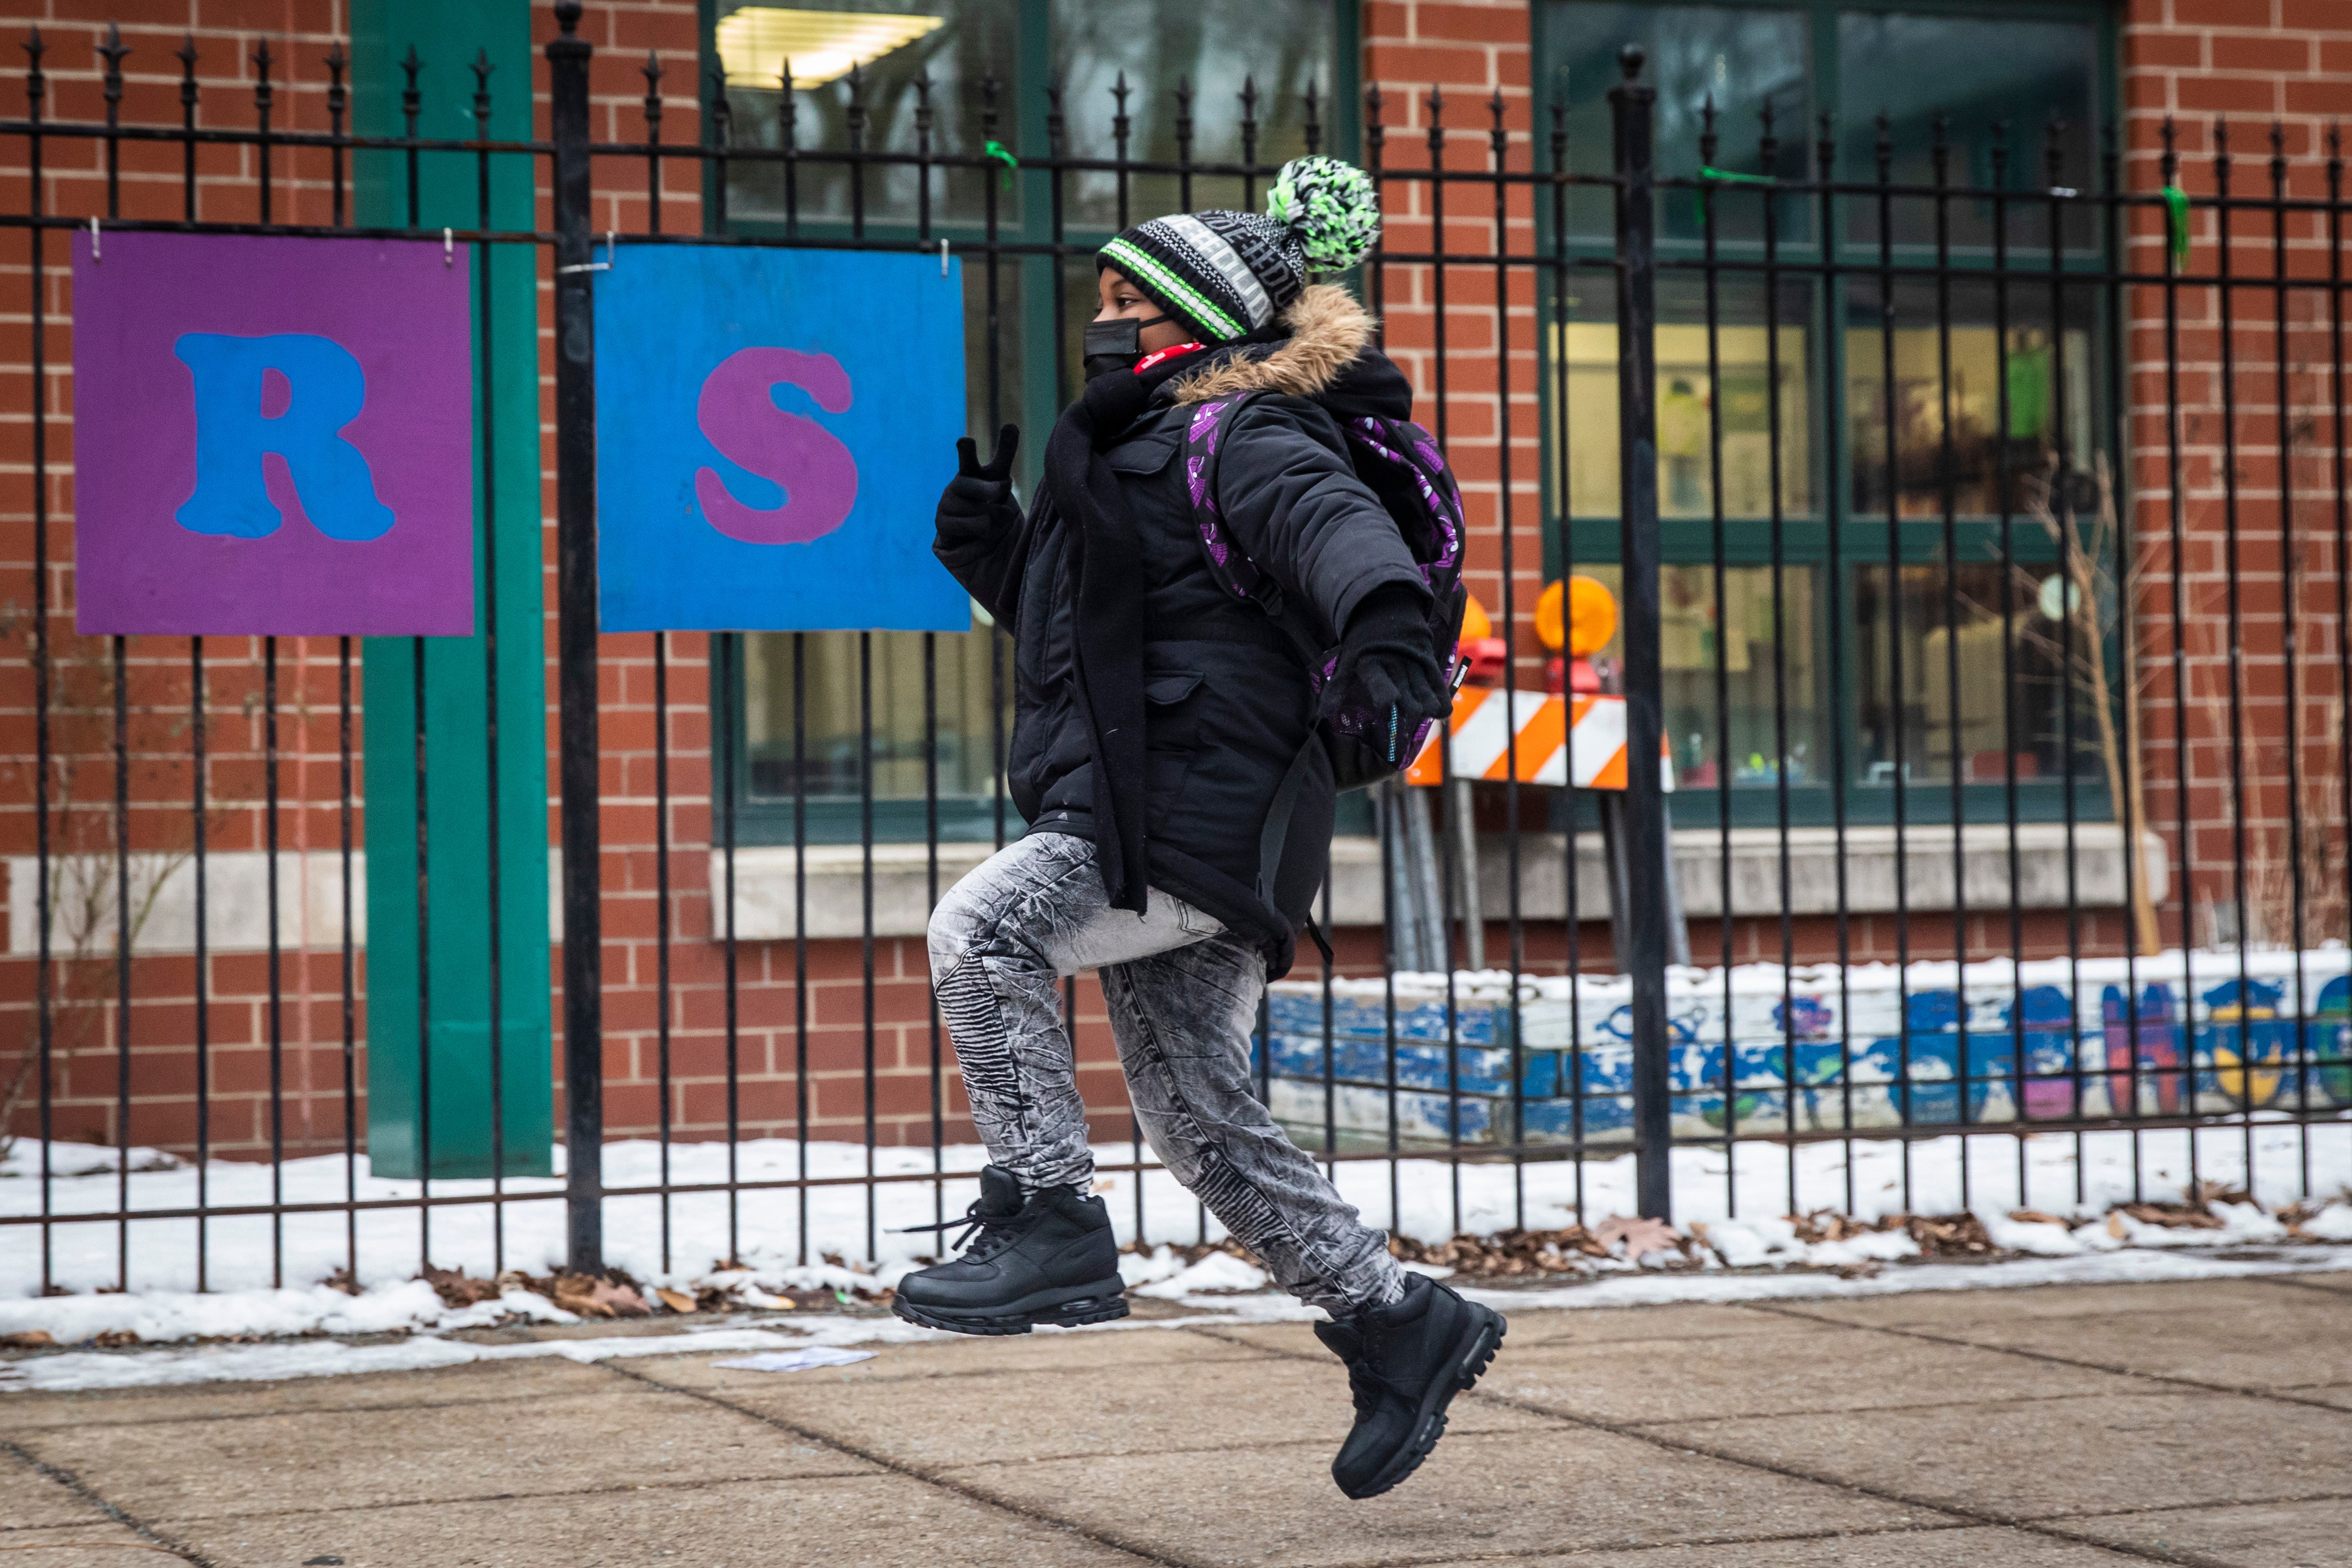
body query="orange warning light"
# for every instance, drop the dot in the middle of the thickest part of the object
(1475, 622)
(1592, 616)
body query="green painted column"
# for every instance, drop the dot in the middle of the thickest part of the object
(483, 910)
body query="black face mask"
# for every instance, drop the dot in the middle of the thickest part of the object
(1115, 346)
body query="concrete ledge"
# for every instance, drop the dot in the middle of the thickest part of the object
(764, 891)
(835, 876)
(1869, 857)
(236, 902)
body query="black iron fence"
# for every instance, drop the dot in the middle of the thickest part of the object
(1981, 550)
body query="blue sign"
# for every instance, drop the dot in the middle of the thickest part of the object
(773, 431)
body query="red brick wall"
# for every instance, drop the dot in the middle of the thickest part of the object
(1459, 70)
(2253, 67)
(226, 35)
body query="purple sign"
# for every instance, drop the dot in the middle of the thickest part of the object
(272, 436)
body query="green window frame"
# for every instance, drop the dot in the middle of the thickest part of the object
(1828, 446)
(1043, 355)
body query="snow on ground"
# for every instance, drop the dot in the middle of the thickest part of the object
(324, 1358)
(2075, 1177)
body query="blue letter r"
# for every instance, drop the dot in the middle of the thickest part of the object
(325, 388)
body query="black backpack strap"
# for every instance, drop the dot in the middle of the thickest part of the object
(1276, 831)
(1321, 942)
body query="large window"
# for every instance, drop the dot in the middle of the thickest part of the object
(1213, 81)
(1858, 422)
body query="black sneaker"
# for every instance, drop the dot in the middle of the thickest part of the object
(1050, 1259)
(1406, 1361)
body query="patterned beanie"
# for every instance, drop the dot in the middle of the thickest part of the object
(1228, 274)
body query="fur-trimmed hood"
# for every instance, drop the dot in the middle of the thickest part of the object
(1329, 332)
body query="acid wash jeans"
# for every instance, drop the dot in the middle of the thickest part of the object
(1184, 998)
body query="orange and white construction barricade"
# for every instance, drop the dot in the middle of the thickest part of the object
(1576, 741)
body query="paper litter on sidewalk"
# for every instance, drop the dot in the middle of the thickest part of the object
(795, 1360)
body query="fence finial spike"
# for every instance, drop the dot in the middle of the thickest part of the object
(1631, 59)
(567, 15)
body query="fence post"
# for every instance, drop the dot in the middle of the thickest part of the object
(576, 602)
(1644, 960)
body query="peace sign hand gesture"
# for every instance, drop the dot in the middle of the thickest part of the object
(978, 502)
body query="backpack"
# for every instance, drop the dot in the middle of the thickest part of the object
(1399, 461)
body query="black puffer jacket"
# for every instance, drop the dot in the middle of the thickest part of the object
(1229, 706)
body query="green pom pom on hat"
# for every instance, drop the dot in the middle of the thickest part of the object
(1330, 206)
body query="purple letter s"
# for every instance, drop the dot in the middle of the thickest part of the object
(816, 471)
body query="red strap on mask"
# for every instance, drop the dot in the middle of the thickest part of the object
(1161, 357)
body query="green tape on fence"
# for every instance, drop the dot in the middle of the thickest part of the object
(2175, 214)
(1002, 154)
(1723, 176)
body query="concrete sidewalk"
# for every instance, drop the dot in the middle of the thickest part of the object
(2205, 1423)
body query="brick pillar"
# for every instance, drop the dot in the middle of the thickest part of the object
(1474, 57)
(2249, 69)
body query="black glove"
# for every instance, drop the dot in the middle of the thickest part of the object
(1387, 672)
(978, 505)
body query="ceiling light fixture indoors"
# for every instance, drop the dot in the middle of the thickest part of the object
(823, 46)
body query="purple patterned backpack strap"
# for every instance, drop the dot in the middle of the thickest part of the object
(1229, 564)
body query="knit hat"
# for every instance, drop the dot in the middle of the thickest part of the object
(1227, 274)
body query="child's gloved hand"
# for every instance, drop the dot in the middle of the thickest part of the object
(977, 505)
(1386, 672)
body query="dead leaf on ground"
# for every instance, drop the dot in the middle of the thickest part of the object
(114, 1338)
(2180, 1217)
(457, 1288)
(28, 1339)
(2035, 1216)
(677, 1300)
(1828, 1225)
(622, 1298)
(1505, 1255)
(1641, 1235)
(1949, 1235)
(576, 1293)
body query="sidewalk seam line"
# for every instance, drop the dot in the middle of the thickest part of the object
(1881, 1494)
(970, 1493)
(386, 1505)
(84, 1490)
(2053, 1359)
(2203, 1507)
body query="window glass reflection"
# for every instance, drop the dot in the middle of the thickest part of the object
(1998, 86)
(1761, 645)
(1742, 61)
(974, 44)
(1751, 362)
(966, 686)
(1187, 68)
(1960, 653)
(2015, 402)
